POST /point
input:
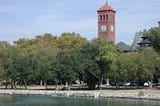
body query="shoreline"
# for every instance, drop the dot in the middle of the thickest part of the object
(127, 94)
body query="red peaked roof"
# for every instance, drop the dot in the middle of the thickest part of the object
(106, 7)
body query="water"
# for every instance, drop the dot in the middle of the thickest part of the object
(52, 101)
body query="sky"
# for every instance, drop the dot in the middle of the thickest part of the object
(29, 18)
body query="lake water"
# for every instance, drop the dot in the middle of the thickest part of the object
(52, 101)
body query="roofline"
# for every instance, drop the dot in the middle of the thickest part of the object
(106, 10)
(106, 7)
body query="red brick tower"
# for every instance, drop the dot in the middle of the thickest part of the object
(106, 22)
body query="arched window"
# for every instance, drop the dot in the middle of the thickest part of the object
(100, 17)
(103, 17)
(106, 16)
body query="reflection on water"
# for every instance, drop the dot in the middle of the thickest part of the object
(6, 99)
(52, 101)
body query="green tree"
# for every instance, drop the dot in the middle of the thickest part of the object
(139, 66)
(89, 66)
(4, 45)
(151, 62)
(46, 40)
(107, 58)
(44, 48)
(154, 36)
(64, 67)
(97, 60)
(22, 65)
(22, 43)
(7, 56)
(136, 40)
(2, 74)
(70, 41)
(42, 60)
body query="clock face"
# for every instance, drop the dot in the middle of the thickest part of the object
(103, 28)
(112, 28)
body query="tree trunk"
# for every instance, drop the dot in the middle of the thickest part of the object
(25, 85)
(150, 84)
(20, 83)
(12, 84)
(41, 82)
(6, 86)
(137, 83)
(45, 84)
(67, 86)
(117, 84)
(101, 83)
(158, 81)
(107, 82)
(56, 86)
(15, 85)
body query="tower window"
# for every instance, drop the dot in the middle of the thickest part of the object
(106, 17)
(103, 17)
(100, 17)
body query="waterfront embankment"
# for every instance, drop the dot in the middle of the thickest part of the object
(130, 94)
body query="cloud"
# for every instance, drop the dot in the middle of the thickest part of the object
(30, 18)
(133, 16)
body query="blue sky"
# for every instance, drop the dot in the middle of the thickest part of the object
(28, 18)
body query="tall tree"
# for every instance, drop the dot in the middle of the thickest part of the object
(70, 41)
(89, 65)
(66, 60)
(4, 45)
(42, 60)
(23, 67)
(7, 56)
(136, 40)
(64, 67)
(107, 58)
(139, 66)
(154, 36)
(99, 57)
(46, 40)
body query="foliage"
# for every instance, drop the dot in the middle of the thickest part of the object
(4, 45)
(89, 65)
(69, 57)
(2, 74)
(64, 67)
(139, 65)
(136, 40)
(153, 35)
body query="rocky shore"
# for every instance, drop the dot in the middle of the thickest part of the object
(140, 94)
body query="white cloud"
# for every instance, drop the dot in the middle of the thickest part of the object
(133, 16)
(30, 18)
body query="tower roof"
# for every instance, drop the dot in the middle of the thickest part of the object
(106, 7)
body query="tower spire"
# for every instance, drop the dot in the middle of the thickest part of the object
(107, 2)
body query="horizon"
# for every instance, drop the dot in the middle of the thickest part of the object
(27, 19)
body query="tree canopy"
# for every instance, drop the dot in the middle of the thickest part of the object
(50, 59)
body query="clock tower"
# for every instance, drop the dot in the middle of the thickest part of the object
(106, 22)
